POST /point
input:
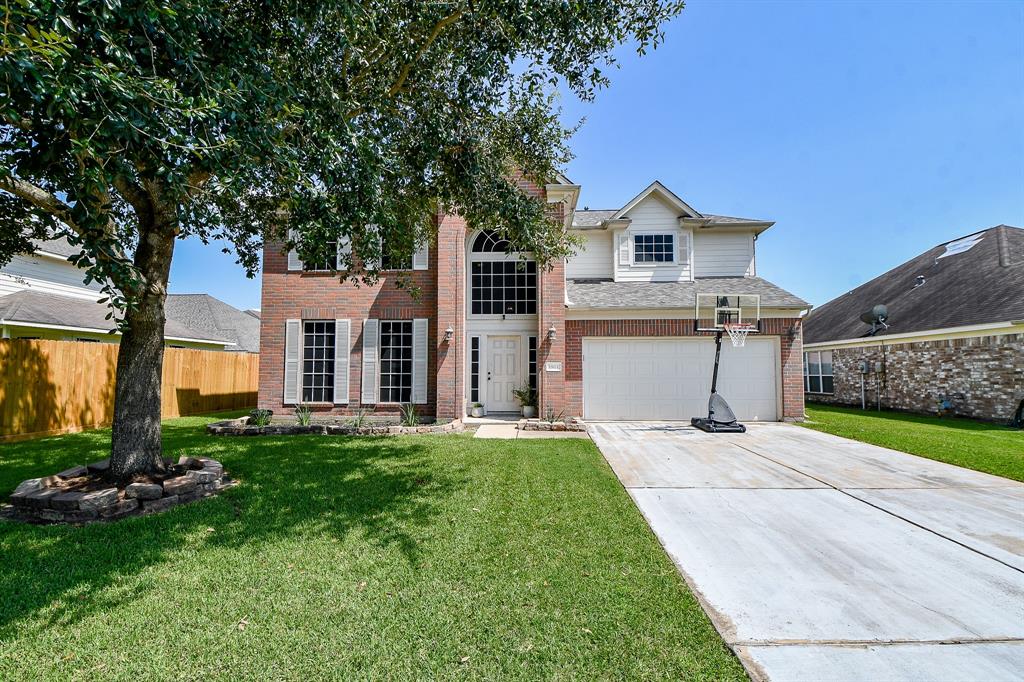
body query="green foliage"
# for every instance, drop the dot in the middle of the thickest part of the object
(238, 121)
(303, 415)
(500, 560)
(409, 415)
(359, 419)
(550, 416)
(525, 395)
(261, 417)
(992, 448)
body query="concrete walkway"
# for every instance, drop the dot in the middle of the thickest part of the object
(820, 558)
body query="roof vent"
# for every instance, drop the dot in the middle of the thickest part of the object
(920, 281)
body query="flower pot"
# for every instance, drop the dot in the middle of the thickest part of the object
(529, 411)
(476, 411)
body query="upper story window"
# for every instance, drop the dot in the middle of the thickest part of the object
(330, 264)
(501, 281)
(818, 372)
(654, 248)
(391, 260)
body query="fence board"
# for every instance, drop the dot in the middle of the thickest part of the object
(51, 387)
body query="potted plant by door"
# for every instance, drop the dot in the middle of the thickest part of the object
(476, 410)
(527, 399)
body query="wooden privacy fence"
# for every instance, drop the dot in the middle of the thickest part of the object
(51, 387)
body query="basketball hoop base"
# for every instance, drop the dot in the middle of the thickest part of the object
(711, 426)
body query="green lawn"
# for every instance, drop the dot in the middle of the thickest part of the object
(976, 445)
(399, 558)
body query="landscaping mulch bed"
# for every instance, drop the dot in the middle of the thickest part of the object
(244, 426)
(569, 424)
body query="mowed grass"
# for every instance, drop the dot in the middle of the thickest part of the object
(343, 558)
(991, 448)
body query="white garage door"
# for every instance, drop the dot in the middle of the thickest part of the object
(671, 378)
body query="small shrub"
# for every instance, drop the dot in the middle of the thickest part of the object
(358, 420)
(303, 415)
(525, 396)
(261, 417)
(550, 416)
(409, 416)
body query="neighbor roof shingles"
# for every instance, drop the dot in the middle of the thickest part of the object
(210, 315)
(583, 294)
(962, 289)
(35, 307)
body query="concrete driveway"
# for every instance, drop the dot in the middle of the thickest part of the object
(821, 558)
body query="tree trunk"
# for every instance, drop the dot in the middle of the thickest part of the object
(136, 446)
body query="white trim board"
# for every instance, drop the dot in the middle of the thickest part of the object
(947, 333)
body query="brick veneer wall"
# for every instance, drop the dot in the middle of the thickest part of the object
(982, 376)
(314, 295)
(451, 312)
(787, 329)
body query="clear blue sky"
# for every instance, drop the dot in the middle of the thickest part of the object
(869, 131)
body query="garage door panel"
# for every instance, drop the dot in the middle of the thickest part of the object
(670, 379)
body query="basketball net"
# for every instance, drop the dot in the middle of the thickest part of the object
(738, 333)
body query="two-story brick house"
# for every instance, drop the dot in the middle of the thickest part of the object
(611, 333)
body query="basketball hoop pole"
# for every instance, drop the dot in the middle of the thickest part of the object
(718, 354)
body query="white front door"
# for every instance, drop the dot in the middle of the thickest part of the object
(503, 375)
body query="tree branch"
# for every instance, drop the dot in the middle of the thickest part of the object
(40, 198)
(407, 68)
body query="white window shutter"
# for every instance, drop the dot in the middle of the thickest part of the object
(344, 250)
(292, 354)
(623, 248)
(420, 259)
(419, 360)
(294, 262)
(370, 343)
(342, 348)
(684, 248)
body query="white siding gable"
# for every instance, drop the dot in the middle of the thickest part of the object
(47, 275)
(723, 254)
(594, 259)
(653, 214)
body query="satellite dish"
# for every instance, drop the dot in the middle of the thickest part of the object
(876, 317)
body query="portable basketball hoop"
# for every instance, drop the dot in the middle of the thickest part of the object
(738, 332)
(737, 315)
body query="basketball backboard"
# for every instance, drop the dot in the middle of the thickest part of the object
(714, 311)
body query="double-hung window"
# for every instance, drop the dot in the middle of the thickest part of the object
(391, 260)
(329, 263)
(657, 248)
(396, 361)
(318, 361)
(818, 372)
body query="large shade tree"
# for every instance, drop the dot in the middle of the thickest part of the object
(126, 125)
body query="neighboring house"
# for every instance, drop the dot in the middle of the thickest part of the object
(216, 319)
(43, 296)
(954, 340)
(608, 334)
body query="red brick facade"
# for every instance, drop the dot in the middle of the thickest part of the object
(442, 301)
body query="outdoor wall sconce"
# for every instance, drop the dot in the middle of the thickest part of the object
(448, 334)
(551, 333)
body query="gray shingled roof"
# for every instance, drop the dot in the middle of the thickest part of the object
(980, 285)
(592, 217)
(36, 307)
(212, 316)
(609, 294)
(59, 246)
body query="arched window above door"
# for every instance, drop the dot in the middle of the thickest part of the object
(488, 241)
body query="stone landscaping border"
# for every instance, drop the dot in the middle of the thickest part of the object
(570, 424)
(242, 427)
(45, 500)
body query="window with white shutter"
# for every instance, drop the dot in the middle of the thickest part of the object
(342, 349)
(368, 394)
(292, 342)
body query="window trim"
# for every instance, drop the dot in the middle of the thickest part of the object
(654, 264)
(331, 360)
(820, 376)
(380, 360)
(503, 316)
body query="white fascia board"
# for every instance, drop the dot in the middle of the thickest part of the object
(95, 330)
(967, 331)
(678, 313)
(665, 192)
(757, 227)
